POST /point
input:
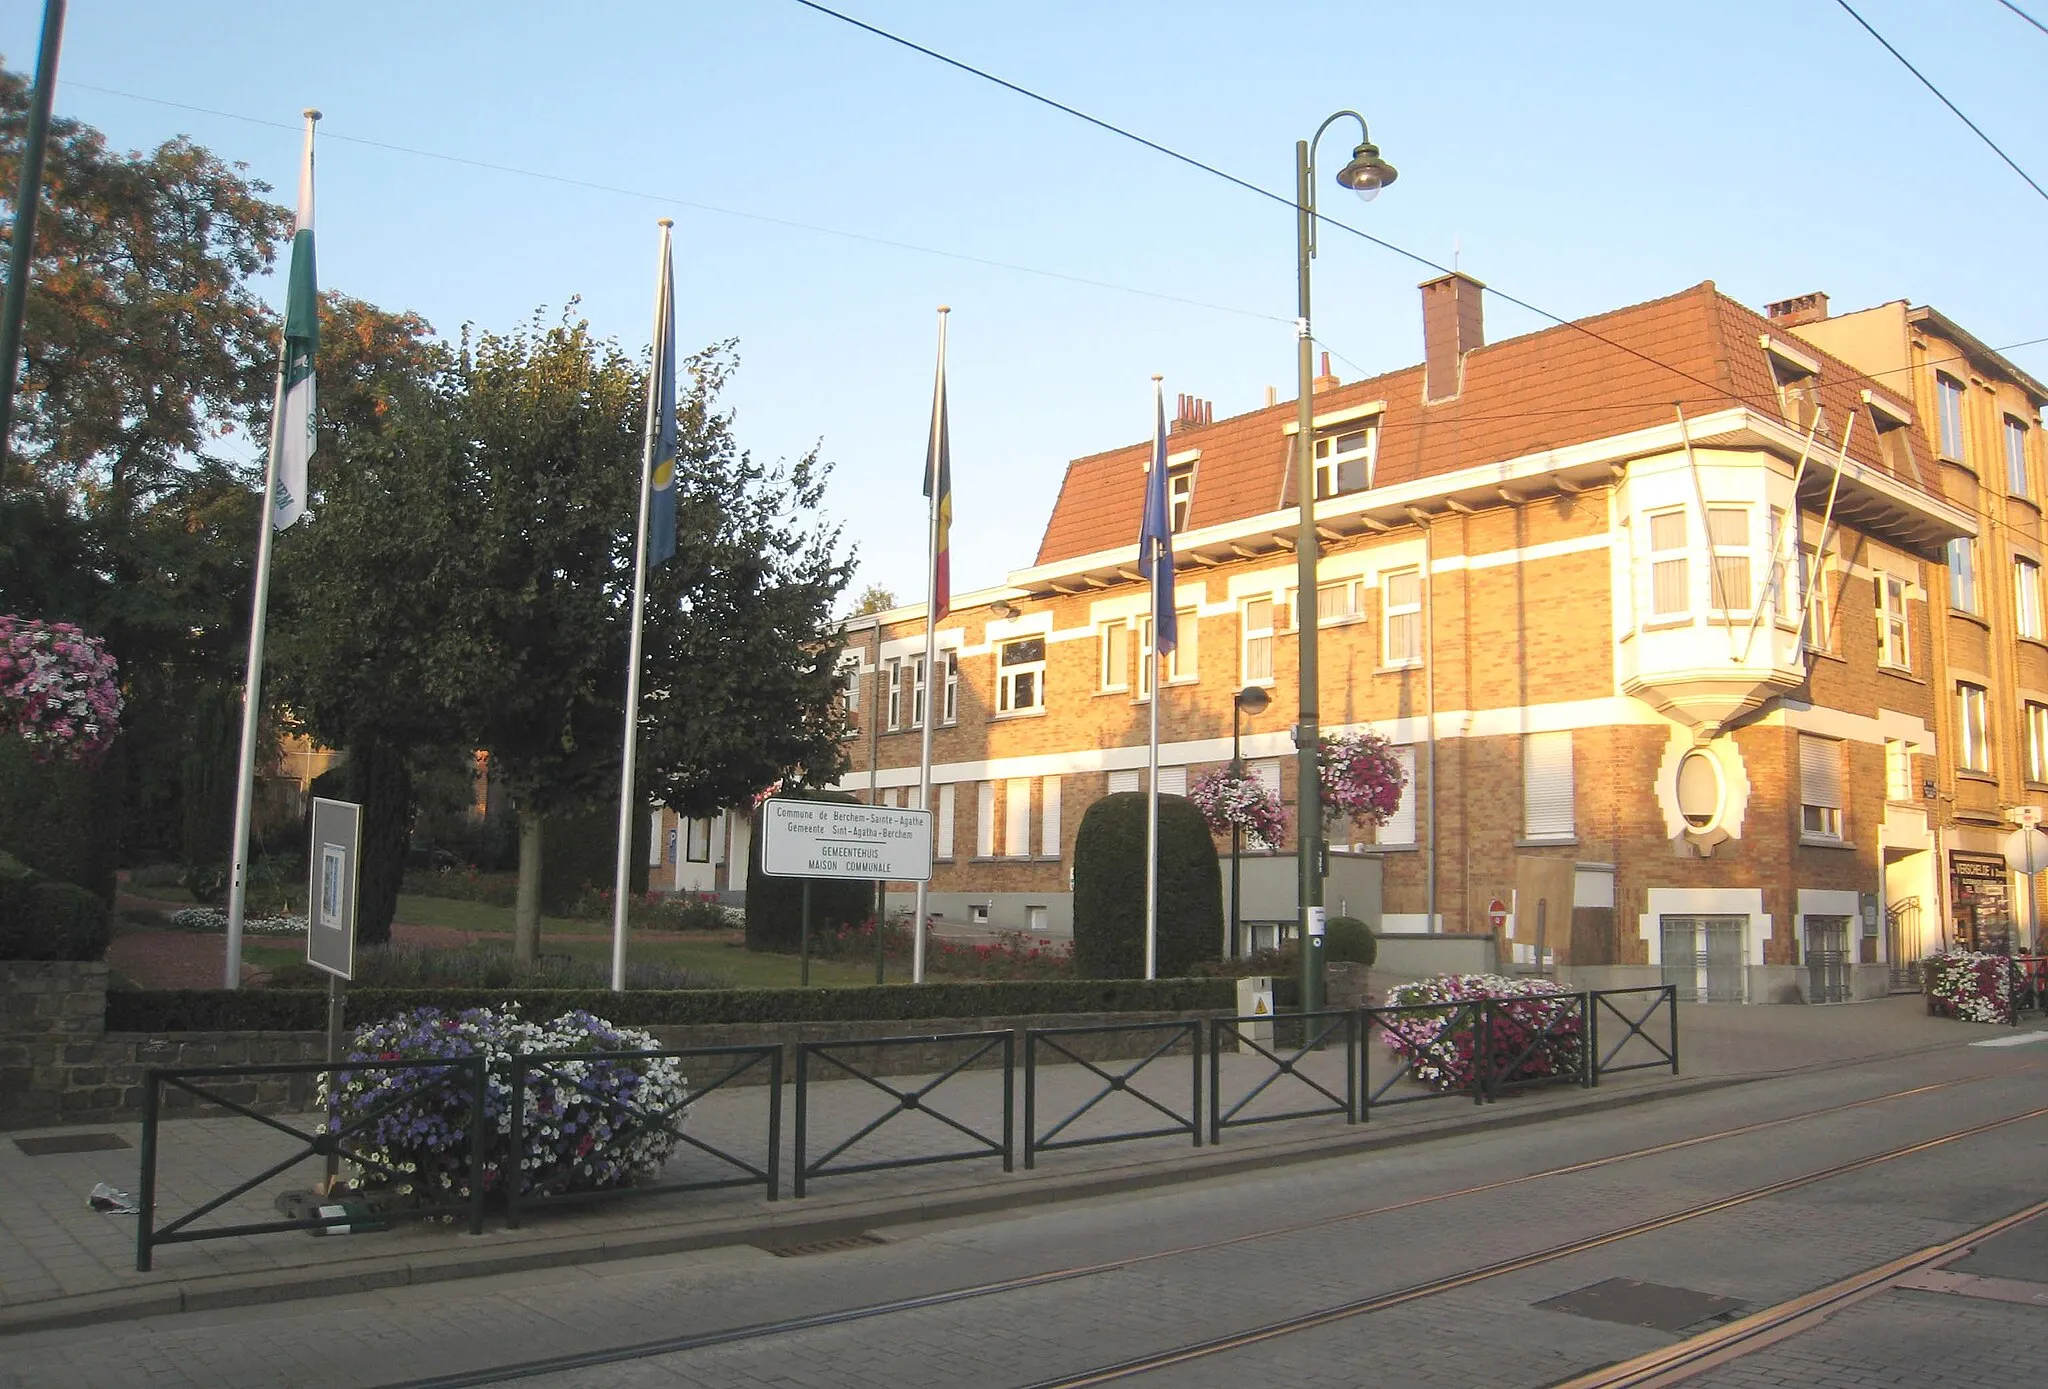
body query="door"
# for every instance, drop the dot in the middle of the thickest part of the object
(1703, 957)
(1827, 959)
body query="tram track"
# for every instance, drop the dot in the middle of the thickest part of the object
(760, 1331)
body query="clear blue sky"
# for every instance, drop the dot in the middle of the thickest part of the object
(1582, 156)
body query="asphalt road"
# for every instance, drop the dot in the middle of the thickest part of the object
(1424, 1265)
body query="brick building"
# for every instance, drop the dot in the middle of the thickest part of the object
(1979, 417)
(1652, 672)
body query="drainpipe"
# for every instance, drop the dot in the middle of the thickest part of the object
(1429, 687)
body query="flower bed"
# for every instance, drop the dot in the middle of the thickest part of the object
(1442, 1045)
(1013, 955)
(216, 920)
(1969, 986)
(579, 1132)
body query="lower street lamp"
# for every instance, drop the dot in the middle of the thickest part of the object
(1252, 699)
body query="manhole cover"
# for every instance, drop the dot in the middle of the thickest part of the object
(71, 1143)
(827, 1246)
(1653, 1305)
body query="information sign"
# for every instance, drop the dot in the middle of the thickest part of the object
(331, 886)
(836, 839)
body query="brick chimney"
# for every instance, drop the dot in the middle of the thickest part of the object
(1804, 308)
(1192, 411)
(1452, 325)
(1326, 381)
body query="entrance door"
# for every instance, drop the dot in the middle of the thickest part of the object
(1703, 957)
(1827, 959)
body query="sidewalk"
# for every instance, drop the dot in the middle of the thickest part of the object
(63, 1263)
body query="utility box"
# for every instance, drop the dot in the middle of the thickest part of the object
(1255, 1000)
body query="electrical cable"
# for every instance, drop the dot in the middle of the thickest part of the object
(2024, 15)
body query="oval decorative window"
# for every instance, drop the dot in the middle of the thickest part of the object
(1700, 789)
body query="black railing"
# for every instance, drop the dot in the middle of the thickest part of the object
(1120, 1081)
(626, 1117)
(1637, 1013)
(1535, 1041)
(335, 1139)
(1432, 1043)
(974, 1046)
(1311, 1036)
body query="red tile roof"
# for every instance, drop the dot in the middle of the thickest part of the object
(1604, 376)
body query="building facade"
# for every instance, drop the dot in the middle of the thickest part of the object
(1978, 417)
(1609, 588)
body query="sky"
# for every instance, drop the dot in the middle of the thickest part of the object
(480, 162)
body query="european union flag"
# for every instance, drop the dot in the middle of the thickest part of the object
(1155, 538)
(661, 508)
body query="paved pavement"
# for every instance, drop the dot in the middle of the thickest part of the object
(59, 1260)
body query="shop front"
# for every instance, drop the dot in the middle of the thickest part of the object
(1980, 902)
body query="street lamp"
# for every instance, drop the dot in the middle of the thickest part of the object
(1365, 175)
(1252, 699)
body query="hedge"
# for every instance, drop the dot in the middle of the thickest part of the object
(1109, 888)
(305, 1010)
(45, 920)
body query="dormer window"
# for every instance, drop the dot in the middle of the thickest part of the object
(1180, 496)
(1797, 377)
(1344, 459)
(1893, 424)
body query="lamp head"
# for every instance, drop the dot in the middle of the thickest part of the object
(1367, 173)
(1253, 699)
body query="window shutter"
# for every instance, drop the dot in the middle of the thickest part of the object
(944, 830)
(1547, 784)
(1820, 771)
(1017, 817)
(1173, 781)
(1120, 782)
(1049, 817)
(985, 821)
(1400, 826)
(1268, 774)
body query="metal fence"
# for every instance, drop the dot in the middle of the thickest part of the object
(1060, 1042)
(337, 1139)
(591, 1084)
(1311, 1036)
(1431, 1044)
(974, 1046)
(1638, 1017)
(1536, 1041)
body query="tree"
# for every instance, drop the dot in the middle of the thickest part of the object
(873, 599)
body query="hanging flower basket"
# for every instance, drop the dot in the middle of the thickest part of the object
(1233, 799)
(1362, 778)
(57, 690)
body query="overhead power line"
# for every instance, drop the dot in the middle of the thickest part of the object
(1942, 96)
(2024, 15)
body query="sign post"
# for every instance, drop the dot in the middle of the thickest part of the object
(837, 839)
(332, 868)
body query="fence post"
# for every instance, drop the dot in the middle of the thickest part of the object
(1195, 1083)
(1351, 1049)
(1482, 1053)
(145, 1220)
(1216, 1079)
(514, 1170)
(1010, 1101)
(803, 1057)
(1365, 1017)
(1589, 1036)
(479, 1127)
(775, 1123)
(1671, 1003)
(1030, 1100)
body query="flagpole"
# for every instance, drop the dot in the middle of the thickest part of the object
(934, 689)
(1152, 742)
(622, 875)
(252, 686)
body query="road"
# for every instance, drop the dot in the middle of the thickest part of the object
(1423, 1265)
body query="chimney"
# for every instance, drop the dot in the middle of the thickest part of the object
(1805, 308)
(1191, 412)
(1324, 382)
(1452, 325)
(1272, 396)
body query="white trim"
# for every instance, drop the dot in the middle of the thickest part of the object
(1788, 354)
(1173, 460)
(1660, 902)
(1898, 414)
(1336, 417)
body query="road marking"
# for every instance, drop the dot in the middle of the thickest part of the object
(2019, 1039)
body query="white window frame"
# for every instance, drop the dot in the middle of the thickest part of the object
(1180, 497)
(1009, 675)
(1950, 436)
(1894, 624)
(694, 849)
(1973, 728)
(950, 660)
(1822, 787)
(1820, 595)
(1403, 617)
(917, 691)
(2026, 597)
(1255, 643)
(895, 665)
(1719, 577)
(1113, 656)
(1962, 576)
(985, 820)
(1332, 463)
(1898, 770)
(1549, 786)
(1676, 559)
(2037, 741)
(849, 684)
(2016, 479)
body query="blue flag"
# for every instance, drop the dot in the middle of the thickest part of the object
(1155, 539)
(661, 509)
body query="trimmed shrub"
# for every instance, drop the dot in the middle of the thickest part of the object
(52, 921)
(1109, 889)
(1349, 940)
(295, 1010)
(47, 817)
(775, 906)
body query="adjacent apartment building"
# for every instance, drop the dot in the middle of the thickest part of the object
(1657, 654)
(1978, 417)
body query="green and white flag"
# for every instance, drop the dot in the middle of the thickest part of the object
(298, 425)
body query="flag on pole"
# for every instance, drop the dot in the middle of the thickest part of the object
(938, 485)
(299, 429)
(1155, 538)
(661, 510)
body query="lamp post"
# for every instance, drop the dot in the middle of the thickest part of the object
(1252, 699)
(1365, 175)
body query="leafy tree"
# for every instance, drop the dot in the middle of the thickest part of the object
(874, 599)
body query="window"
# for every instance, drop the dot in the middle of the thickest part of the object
(2016, 458)
(1049, 816)
(1820, 787)
(1401, 614)
(1774, 546)
(949, 661)
(1120, 782)
(1894, 443)
(697, 844)
(1973, 728)
(1948, 399)
(1728, 530)
(1180, 662)
(1180, 496)
(896, 693)
(1962, 574)
(944, 848)
(1344, 461)
(1017, 817)
(917, 692)
(1256, 621)
(1400, 826)
(985, 821)
(1628, 588)
(1820, 596)
(2026, 598)
(1798, 389)
(1336, 603)
(1116, 655)
(1670, 566)
(1020, 676)
(2037, 741)
(1893, 635)
(1547, 785)
(1898, 771)
(849, 685)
